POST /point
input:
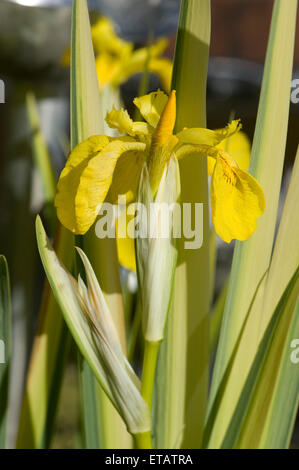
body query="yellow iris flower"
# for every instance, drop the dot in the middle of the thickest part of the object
(116, 59)
(102, 168)
(237, 145)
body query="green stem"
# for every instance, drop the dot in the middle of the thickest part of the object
(148, 372)
(143, 440)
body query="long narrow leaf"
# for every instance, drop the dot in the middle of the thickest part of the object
(48, 358)
(247, 424)
(181, 373)
(88, 390)
(64, 291)
(285, 401)
(86, 120)
(286, 247)
(214, 407)
(252, 258)
(216, 319)
(89, 319)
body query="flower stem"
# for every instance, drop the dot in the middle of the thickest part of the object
(143, 440)
(148, 371)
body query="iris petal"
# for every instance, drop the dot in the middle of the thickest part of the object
(119, 119)
(126, 176)
(237, 200)
(238, 146)
(86, 179)
(151, 106)
(201, 136)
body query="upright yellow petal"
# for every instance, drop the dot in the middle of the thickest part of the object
(119, 119)
(86, 179)
(237, 200)
(151, 106)
(231, 128)
(204, 141)
(201, 136)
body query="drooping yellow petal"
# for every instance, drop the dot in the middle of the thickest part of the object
(86, 179)
(119, 119)
(201, 136)
(83, 152)
(151, 106)
(166, 123)
(237, 200)
(70, 178)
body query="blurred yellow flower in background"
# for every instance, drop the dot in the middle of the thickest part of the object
(117, 60)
